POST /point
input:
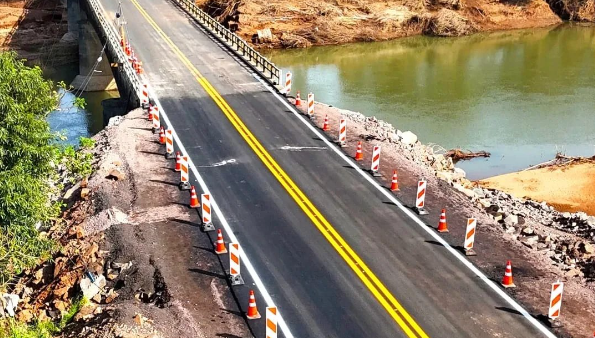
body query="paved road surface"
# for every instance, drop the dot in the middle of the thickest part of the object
(317, 292)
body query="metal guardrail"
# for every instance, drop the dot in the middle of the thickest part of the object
(112, 39)
(261, 64)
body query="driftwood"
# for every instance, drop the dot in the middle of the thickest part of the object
(458, 154)
(561, 160)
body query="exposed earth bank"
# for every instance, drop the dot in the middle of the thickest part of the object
(296, 24)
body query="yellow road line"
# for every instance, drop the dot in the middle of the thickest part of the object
(376, 287)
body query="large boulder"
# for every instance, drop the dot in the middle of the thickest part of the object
(408, 137)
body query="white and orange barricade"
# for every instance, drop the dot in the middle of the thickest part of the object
(184, 176)
(169, 144)
(420, 199)
(375, 161)
(234, 264)
(342, 132)
(271, 322)
(287, 88)
(470, 237)
(145, 97)
(207, 222)
(156, 121)
(311, 105)
(555, 304)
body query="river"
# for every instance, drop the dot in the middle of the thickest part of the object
(72, 121)
(520, 95)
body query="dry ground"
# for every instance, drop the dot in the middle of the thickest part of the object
(568, 188)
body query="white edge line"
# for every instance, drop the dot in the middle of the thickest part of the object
(414, 217)
(229, 232)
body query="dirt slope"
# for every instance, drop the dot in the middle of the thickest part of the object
(304, 23)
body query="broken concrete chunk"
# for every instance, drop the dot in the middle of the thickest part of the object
(511, 220)
(89, 288)
(408, 137)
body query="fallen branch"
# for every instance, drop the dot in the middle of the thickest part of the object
(458, 154)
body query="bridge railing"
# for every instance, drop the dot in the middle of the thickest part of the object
(112, 39)
(261, 64)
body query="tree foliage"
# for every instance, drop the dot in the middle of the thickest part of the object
(27, 159)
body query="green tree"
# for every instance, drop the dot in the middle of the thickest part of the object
(27, 164)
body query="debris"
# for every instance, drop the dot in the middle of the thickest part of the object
(458, 154)
(92, 288)
(116, 175)
(10, 303)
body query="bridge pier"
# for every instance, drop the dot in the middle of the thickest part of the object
(91, 77)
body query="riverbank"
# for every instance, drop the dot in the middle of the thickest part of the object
(128, 226)
(543, 244)
(291, 24)
(567, 187)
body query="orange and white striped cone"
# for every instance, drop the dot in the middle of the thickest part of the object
(507, 280)
(161, 135)
(184, 174)
(194, 203)
(359, 155)
(298, 99)
(394, 185)
(178, 161)
(555, 304)
(442, 226)
(220, 244)
(287, 89)
(252, 309)
(207, 222)
(375, 161)
(310, 101)
(420, 199)
(145, 97)
(342, 132)
(325, 126)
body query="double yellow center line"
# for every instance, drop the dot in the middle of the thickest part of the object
(388, 301)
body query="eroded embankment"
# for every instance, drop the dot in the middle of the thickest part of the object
(295, 24)
(544, 245)
(130, 245)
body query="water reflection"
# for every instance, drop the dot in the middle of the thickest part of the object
(522, 95)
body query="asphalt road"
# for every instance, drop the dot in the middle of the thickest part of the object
(316, 291)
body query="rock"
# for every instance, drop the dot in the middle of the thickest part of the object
(25, 316)
(479, 192)
(116, 175)
(521, 219)
(71, 191)
(85, 193)
(408, 138)
(485, 203)
(10, 303)
(469, 193)
(498, 216)
(97, 298)
(84, 182)
(587, 248)
(112, 274)
(89, 288)
(122, 266)
(591, 221)
(114, 121)
(566, 215)
(111, 295)
(527, 231)
(458, 174)
(60, 306)
(445, 176)
(510, 230)
(530, 241)
(511, 220)
(573, 273)
(117, 215)
(86, 312)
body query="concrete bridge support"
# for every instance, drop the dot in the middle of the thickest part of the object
(93, 75)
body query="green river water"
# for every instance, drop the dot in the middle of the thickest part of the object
(521, 95)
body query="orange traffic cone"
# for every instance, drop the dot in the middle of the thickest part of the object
(442, 226)
(358, 152)
(325, 126)
(178, 161)
(298, 99)
(194, 203)
(150, 112)
(507, 280)
(252, 310)
(220, 245)
(394, 186)
(161, 135)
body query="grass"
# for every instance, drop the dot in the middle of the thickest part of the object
(41, 329)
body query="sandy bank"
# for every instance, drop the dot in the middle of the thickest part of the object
(568, 188)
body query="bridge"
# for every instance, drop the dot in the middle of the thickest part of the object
(322, 240)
